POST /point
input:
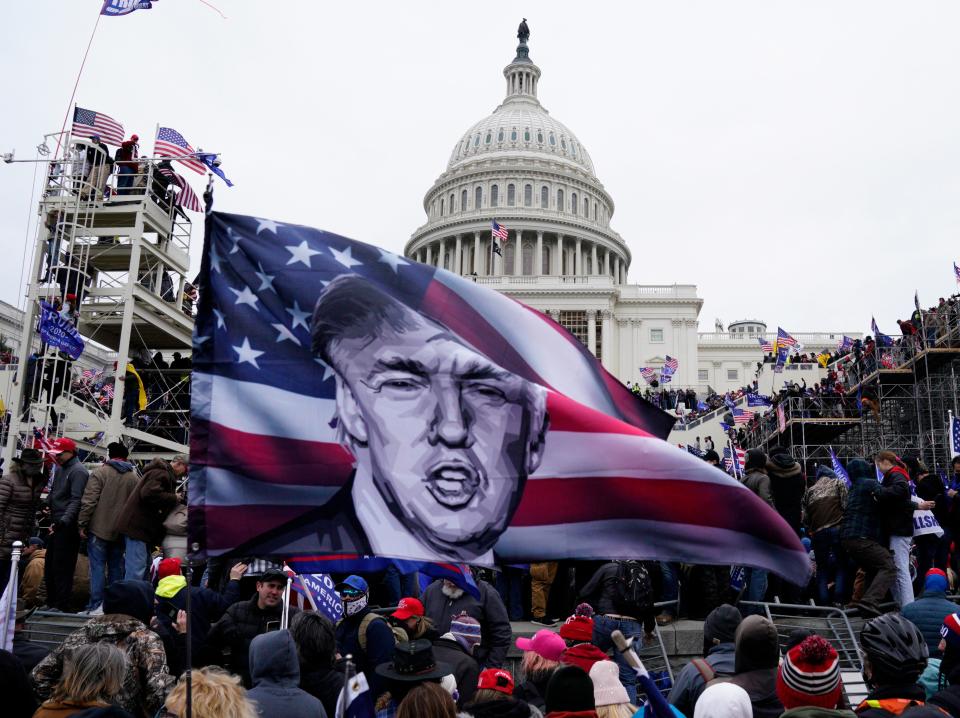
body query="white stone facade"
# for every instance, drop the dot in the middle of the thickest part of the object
(525, 170)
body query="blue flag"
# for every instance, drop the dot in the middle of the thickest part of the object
(59, 332)
(860, 399)
(339, 563)
(702, 406)
(320, 587)
(838, 468)
(758, 400)
(356, 700)
(115, 8)
(729, 403)
(210, 160)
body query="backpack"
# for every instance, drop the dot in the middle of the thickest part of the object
(632, 589)
(399, 635)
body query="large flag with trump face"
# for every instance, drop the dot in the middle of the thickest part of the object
(349, 401)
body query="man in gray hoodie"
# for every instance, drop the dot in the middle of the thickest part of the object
(107, 490)
(275, 673)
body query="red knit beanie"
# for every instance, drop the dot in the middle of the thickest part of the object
(810, 675)
(168, 567)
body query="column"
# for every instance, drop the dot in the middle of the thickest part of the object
(538, 258)
(609, 343)
(559, 258)
(606, 262)
(457, 268)
(592, 331)
(429, 254)
(593, 259)
(616, 270)
(517, 253)
(441, 252)
(577, 269)
(476, 252)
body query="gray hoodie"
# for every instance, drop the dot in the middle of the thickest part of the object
(275, 673)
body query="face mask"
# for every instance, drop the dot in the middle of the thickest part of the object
(354, 607)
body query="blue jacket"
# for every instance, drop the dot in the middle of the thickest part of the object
(380, 644)
(927, 614)
(275, 672)
(689, 683)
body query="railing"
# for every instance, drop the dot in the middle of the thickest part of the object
(806, 338)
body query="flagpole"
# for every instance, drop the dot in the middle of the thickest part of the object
(926, 371)
(950, 445)
(77, 82)
(10, 602)
(188, 671)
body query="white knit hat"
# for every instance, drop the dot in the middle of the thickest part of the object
(607, 688)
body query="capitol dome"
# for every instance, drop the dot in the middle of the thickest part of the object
(526, 171)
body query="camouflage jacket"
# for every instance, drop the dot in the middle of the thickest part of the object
(147, 682)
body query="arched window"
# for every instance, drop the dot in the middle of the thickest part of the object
(463, 201)
(563, 144)
(494, 196)
(478, 198)
(545, 268)
(573, 202)
(487, 140)
(441, 207)
(511, 195)
(594, 211)
(513, 134)
(526, 135)
(446, 261)
(528, 195)
(586, 207)
(539, 137)
(526, 260)
(544, 197)
(476, 141)
(450, 205)
(509, 250)
(553, 139)
(500, 135)
(559, 200)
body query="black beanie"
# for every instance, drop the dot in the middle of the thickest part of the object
(570, 689)
(131, 598)
(721, 624)
(755, 459)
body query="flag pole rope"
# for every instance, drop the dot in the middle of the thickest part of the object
(77, 82)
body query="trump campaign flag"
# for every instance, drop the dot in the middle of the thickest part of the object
(348, 400)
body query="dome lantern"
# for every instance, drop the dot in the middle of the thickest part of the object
(521, 74)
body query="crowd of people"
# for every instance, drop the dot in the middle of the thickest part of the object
(110, 544)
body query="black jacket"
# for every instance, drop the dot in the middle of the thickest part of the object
(206, 607)
(380, 644)
(787, 486)
(464, 667)
(324, 684)
(240, 624)
(28, 652)
(491, 614)
(896, 508)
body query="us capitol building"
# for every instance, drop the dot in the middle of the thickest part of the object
(523, 168)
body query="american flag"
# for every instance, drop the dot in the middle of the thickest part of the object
(956, 272)
(728, 459)
(649, 375)
(954, 435)
(107, 390)
(742, 416)
(41, 442)
(90, 122)
(186, 197)
(500, 231)
(784, 339)
(671, 364)
(765, 345)
(607, 486)
(171, 143)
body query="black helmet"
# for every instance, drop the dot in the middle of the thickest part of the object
(895, 647)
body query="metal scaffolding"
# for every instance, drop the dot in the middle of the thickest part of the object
(895, 399)
(112, 258)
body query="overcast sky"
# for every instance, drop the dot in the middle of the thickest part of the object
(799, 162)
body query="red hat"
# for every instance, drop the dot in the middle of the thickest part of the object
(496, 679)
(810, 675)
(168, 567)
(577, 628)
(583, 656)
(408, 608)
(58, 446)
(134, 137)
(950, 630)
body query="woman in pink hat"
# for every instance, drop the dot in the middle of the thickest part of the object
(541, 656)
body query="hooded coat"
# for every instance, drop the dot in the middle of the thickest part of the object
(104, 497)
(19, 500)
(146, 508)
(787, 486)
(275, 673)
(447, 649)
(127, 607)
(757, 658)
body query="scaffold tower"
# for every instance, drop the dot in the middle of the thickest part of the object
(112, 257)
